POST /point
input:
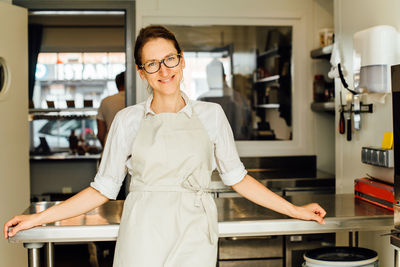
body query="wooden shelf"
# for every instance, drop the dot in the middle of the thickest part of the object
(322, 52)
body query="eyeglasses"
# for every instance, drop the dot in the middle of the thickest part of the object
(170, 61)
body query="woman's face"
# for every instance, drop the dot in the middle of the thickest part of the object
(165, 81)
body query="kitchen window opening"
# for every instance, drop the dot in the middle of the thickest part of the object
(73, 85)
(245, 69)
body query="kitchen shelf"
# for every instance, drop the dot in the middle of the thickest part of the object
(323, 107)
(268, 106)
(62, 113)
(268, 79)
(271, 52)
(49, 110)
(322, 52)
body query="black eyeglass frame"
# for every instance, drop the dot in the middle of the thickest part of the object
(163, 62)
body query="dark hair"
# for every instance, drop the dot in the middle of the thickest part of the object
(120, 80)
(151, 32)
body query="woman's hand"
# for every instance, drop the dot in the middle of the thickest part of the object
(310, 212)
(20, 222)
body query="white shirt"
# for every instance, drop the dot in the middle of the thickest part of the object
(109, 107)
(116, 161)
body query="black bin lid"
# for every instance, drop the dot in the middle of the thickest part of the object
(341, 254)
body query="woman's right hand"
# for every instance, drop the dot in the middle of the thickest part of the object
(20, 222)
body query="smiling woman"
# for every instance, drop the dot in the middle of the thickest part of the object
(170, 145)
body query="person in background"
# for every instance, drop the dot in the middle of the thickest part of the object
(109, 107)
(235, 106)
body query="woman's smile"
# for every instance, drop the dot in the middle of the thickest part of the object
(167, 80)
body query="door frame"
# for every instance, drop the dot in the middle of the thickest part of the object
(130, 25)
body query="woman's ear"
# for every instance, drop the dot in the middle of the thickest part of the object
(182, 60)
(140, 71)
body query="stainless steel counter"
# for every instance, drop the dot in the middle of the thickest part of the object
(237, 217)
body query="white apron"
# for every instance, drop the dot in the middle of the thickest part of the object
(169, 219)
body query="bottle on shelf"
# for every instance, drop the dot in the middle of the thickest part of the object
(320, 90)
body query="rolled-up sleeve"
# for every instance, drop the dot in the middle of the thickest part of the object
(112, 169)
(229, 166)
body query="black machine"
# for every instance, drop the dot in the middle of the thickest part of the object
(395, 237)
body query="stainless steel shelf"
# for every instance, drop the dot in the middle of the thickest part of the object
(322, 52)
(59, 113)
(51, 110)
(272, 106)
(323, 107)
(271, 52)
(268, 79)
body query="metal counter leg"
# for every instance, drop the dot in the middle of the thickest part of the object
(350, 239)
(50, 254)
(396, 258)
(34, 253)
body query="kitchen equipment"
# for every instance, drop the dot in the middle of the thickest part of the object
(349, 125)
(244, 251)
(377, 156)
(297, 245)
(374, 191)
(387, 141)
(375, 50)
(356, 114)
(395, 77)
(341, 127)
(341, 256)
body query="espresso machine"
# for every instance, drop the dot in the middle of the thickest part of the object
(395, 237)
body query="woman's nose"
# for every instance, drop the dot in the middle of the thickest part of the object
(163, 70)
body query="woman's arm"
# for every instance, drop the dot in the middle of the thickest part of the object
(80, 203)
(256, 192)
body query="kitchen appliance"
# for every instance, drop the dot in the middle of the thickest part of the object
(374, 191)
(395, 238)
(375, 50)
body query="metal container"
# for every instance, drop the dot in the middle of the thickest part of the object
(297, 245)
(341, 256)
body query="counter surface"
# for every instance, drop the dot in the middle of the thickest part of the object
(236, 216)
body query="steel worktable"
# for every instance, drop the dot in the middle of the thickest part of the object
(236, 216)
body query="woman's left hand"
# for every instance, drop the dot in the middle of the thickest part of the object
(310, 212)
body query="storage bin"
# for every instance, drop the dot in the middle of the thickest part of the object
(340, 256)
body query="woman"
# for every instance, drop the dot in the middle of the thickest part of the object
(170, 145)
